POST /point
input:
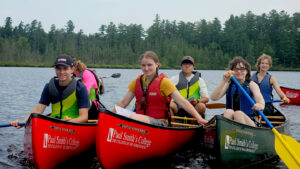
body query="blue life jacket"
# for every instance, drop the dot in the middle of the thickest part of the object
(236, 100)
(264, 86)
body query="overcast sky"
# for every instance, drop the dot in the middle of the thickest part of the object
(89, 15)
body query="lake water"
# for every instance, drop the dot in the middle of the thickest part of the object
(20, 90)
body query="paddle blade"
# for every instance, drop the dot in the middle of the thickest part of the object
(286, 147)
(215, 105)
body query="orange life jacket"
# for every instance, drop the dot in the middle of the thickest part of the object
(157, 105)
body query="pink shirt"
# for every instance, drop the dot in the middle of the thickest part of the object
(88, 80)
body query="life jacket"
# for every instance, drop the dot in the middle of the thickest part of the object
(191, 88)
(236, 100)
(157, 105)
(65, 103)
(264, 86)
(94, 92)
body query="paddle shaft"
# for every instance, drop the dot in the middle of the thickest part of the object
(251, 100)
(8, 125)
(272, 101)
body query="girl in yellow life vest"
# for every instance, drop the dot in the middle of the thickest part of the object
(69, 97)
(154, 88)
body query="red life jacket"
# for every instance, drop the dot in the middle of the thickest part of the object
(157, 105)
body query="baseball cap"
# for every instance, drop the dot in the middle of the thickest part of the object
(65, 60)
(187, 59)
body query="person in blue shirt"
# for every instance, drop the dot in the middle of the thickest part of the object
(238, 107)
(68, 96)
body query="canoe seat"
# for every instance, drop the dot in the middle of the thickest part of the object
(275, 117)
(273, 122)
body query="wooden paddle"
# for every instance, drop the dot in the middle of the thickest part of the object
(285, 146)
(8, 125)
(215, 105)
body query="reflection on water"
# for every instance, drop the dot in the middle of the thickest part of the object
(20, 90)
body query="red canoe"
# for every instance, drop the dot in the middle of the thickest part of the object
(49, 142)
(121, 141)
(292, 94)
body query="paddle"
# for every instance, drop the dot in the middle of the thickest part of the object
(285, 146)
(115, 75)
(8, 125)
(273, 101)
(215, 105)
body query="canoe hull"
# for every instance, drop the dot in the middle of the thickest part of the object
(49, 142)
(292, 94)
(130, 141)
(236, 145)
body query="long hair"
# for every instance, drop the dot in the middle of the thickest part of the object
(149, 55)
(238, 60)
(79, 66)
(261, 58)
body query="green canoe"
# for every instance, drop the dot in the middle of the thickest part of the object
(235, 145)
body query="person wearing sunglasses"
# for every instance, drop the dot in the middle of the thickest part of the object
(238, 107)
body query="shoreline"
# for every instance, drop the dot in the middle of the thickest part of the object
(10, 64)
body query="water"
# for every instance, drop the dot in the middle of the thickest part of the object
(20, 90)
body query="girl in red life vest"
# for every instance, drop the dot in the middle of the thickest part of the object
(153, 93)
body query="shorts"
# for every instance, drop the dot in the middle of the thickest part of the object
(158, 122)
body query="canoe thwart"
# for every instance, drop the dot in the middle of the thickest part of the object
(183, 118)
(275, 117)
(183, 125)
(273, 122)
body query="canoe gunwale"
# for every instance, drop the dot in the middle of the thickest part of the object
(146, 124)
(41, 116)
(289, 88)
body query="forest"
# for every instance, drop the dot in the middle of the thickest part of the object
(212, 43)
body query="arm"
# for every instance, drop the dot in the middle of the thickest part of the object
(187, 106)
(39, 108)
(83, 116)
(275, 85)
(204, 97)
(259, 100)
(222, 87)
(126, 100)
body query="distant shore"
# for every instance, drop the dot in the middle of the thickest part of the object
(197, 67)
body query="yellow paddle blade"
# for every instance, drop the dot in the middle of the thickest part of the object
(288, 149)
(215, 105)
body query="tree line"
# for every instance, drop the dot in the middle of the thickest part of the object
(211, 43)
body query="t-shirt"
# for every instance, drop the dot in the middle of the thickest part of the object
(81, 94)
(166, 86)
(89, 80)
(202, 85)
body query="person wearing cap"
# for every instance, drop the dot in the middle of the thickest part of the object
(68, 96)
(191, 86)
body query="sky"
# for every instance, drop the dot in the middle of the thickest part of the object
(89, 15)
